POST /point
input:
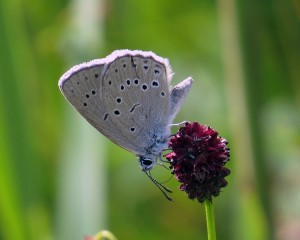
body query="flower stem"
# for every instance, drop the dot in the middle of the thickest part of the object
(210, 220)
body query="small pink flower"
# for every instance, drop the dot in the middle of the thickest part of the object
(198, 160)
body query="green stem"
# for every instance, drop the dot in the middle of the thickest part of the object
(210, 220)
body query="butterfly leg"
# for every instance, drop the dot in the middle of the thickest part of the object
(178, 124)
(164, 161)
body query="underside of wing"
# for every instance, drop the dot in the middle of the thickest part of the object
(136, 93)
(125, 96)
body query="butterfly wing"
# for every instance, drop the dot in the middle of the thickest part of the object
(140, 82)
(82, 87)
(178, 94)
(125, 96)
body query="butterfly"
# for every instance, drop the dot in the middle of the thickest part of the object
(128, 98)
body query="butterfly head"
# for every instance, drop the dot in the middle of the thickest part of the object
(147, 162)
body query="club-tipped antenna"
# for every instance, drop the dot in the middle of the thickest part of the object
(161, 187)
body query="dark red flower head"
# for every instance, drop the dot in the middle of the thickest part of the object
(198, 159)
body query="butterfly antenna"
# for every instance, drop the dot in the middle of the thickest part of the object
(161, 187)
(167, 180)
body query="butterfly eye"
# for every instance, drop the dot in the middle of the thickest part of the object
(146, 163)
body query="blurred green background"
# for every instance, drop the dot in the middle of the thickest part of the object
(61, 179)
